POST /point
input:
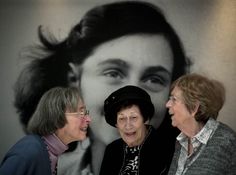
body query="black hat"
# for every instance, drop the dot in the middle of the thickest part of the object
(127, 93)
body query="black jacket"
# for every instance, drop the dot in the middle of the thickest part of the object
(155, 156)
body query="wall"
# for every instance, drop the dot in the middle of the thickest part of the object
(207, 28)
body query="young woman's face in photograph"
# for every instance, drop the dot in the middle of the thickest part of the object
(141, 60)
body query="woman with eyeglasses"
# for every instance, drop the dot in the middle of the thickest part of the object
(205, 146)
(138, 152)
(59, 119)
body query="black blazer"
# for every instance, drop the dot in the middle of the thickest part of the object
(155, 156)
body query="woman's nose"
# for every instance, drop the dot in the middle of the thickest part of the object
(128, 123)
(88, 118)
(168, 104)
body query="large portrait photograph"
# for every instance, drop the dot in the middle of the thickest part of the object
(101, 46)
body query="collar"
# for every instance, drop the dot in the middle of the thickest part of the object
(55, 145)
(203, 135)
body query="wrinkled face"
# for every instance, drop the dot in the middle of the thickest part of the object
(180, 116)
(130, 125)
(145, 61)
(77, 124)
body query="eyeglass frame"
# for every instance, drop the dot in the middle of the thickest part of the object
(81, 114)
(173, 99)
(122, 119)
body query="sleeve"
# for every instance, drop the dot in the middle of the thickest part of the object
(104, 170)
(233, 160)
(13, 164)
(27, 156)
(113, 158)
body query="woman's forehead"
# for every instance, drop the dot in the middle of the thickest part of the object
(134, 50)
(131, 109)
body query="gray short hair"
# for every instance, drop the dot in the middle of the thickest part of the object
(50, 112)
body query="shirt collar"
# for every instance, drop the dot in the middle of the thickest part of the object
(203, 135)
(206, 132)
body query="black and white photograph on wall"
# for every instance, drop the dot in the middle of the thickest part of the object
(100, 46)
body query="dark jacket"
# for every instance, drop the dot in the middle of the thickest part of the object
(29, 156)
(155, 158)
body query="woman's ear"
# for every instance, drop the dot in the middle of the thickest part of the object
(74, 74)
(195, 110)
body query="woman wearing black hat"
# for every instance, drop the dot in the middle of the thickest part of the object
(129, 109)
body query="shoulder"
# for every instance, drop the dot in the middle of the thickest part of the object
(154, 137)
(29, 145)
(30, 140)
(225, 135)
(115, 143)
(225, 131)
(153, 142)
(28, 154)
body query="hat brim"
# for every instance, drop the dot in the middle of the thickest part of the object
(111, 113)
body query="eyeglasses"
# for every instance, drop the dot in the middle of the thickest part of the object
(81, 114)
(174, 99)
(121, 119)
